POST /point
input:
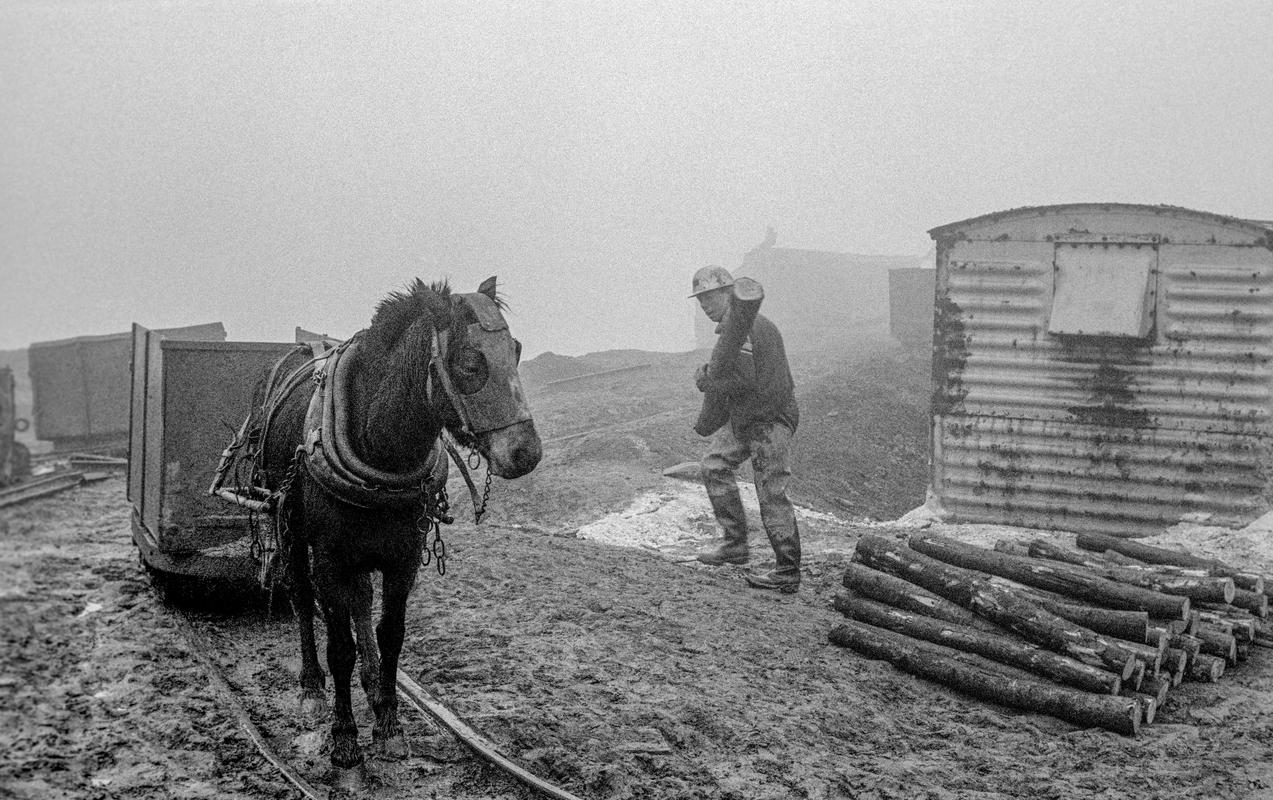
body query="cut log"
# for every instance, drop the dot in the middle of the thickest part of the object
(1115, 557)
(1156, 688)
(1149, 554)
(1242, 580)
(1195, 587)
(996, 603)
(1216, 643)
(900, 593)
(1111, 712)
(1257, 604)
(1128, 625)
(1191, 622)
(1175, 666)
(1012, 548)
(1149, 655)
(1190, 644)
(1064, 579)
(1244, 650)
(1137, 677)
(1263, 639)
(1148, 705)
(1251, 583)
(1206, 668)
(1157, 636)
(1230, 612)
(998, 648)
(1242, 630)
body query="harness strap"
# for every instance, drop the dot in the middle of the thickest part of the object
(444, 375)
(330, 456)
(274, 397)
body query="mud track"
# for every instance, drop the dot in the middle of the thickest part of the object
(616, 672)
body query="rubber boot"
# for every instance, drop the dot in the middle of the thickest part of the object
(727, 553)
(733, 521)
(785, 576)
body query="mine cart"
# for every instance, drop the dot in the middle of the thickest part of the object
(188, 397)
(15, 460)
(1103, 367)
(80, 387)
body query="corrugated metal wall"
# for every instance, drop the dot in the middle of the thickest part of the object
(1118, 434)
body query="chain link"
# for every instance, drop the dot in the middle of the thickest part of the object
(486, 492)
(435, 510)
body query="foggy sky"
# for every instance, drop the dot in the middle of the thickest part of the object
(273, 164)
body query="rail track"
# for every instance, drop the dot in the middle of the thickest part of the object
(410, 693)
(43, 487)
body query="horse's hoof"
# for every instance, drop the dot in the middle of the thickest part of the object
(394, 748)
(313, 709)
(348, 781)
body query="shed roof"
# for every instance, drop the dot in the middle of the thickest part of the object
(1259, 227)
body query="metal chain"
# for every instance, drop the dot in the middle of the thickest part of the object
(486, 492)
(435, 510)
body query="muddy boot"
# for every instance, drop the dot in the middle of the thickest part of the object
(727, 553)
(732, 519)
(785, 576)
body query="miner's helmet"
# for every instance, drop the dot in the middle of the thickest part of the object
(711, 278)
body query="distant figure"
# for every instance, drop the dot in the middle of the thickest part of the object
(761, 423)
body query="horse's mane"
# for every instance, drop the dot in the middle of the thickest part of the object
(401, 309)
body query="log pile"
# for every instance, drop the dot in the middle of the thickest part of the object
(1098, 636)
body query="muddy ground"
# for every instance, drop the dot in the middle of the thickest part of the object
(574, 630)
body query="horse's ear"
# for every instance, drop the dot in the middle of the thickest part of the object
(488, 287)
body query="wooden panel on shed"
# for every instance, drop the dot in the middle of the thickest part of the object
(1103, 290)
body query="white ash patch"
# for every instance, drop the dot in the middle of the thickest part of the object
(679, 516)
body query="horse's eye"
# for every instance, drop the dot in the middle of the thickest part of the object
(472, 370)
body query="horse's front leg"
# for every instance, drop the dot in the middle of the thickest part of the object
(387, 734)
(346, 757)
(365, 634)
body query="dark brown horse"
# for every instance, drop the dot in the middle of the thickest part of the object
(356, 449)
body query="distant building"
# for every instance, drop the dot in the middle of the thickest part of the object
(910, 304)
(816, 297)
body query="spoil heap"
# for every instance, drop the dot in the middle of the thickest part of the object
(1097, 636)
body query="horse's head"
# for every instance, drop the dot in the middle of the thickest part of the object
(486, 408)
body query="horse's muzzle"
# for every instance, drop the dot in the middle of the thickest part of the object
(515, 450)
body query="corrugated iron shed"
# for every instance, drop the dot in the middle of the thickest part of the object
(1103, 367)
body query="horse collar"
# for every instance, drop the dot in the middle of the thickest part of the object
(330, 457)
